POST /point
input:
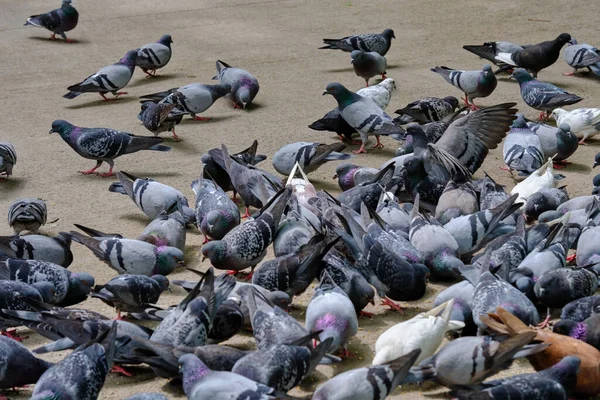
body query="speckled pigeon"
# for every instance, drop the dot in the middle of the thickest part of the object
(216, 213)
(581, 309)
(153, 56)
(556, 288)
(56, 249)
(27, 214)
(477, 83)
(160, 117)
(581, 56)
(350, 280)
(310, 156)
(243, 85)
(8, 158)
(59, 21)
(428, 109)
(103, 144)
(377, 42)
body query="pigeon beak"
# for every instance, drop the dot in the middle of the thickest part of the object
(51, 131)
(181, 263)
(512, 76)
(169, 289)
(325, 92)
(595, 165)
(203, 258)
(335, 176)
(372, 302)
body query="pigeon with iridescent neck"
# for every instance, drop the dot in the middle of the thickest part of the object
(153, 56)
(478, 83)
(243, 86)
(57, 21)
(103, 144)
(111, 79)
(168, 229)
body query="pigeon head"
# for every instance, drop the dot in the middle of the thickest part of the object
(46, 290)
(245, 95)
(129, 58)
(66, 1)
(61, 127)
(521, 75)
(536, 204)
(344, 169)
(192, 369)
(596, 160)
(388, 34)
(167, 259)
(166, 40)
(338, 91)
(280, 299)
(362, 294)
(389, 84)
(216, 223)
(356, 55)
(163, 282)
(572, 42)
(563, 38)
(574, 329)
(81, 282)
(519, 122)
(453, 101)
(215, 251)
(558, 113)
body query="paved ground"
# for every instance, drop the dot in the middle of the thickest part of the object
(275, 40)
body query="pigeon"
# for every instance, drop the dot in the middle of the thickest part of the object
(537, 57)
(131, 293)
(147, 396)
(190, 322)
(350, 280)
(364, 115)
(425, 331)
(153, 56)
(310, 156)
(369, 192)
(377, 42)
(558, 287)
(216, 213)
(243, 85)
(228, 321)
(246, 244)
(368, 64)
(369, 383)
(331, 313)
(27, 214)
(190, 99)
(103, 144)
(381, 93)
(581, 309)
(542, 96)
(581, 56)
(542, 178)
(555, 382)
(111, 79)
(559, 143)
(160, 117)
(56, 249)
(150, 196)
(544, 200)
(281, 367)
(57, 21)
(489, 50)
(428, 109)
(351, 175)
(131, 256)
(199, 382)
(587, 330)
(458, 198)
(168, 229)
(491, 194)
(522, 149)
(584, 122)
(81, 374)
(587, 252)
(478, 83)
(68, 287)
(8, 158)
(19, 367)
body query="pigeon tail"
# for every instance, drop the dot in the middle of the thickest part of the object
(72, 95)
(159, 147)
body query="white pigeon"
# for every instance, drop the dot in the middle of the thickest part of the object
(425, 331)
(584, 122)
(542, 178)
(380, 93)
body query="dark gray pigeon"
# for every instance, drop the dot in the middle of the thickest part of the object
(246, 244)
(350, 280)
(580, 56)
(57, 21)
(243, 85)
(587, 330)
(27, 214)
(160, 117)
(19, 296)
(131, 293)
(581, 309)
(228, 321)
(310, 156)
(19, 366)
(545, 200)
(153, 56)
(56, 249)
(364, 115)
(557, 288)
(111, 79)
(377, 42)
(103, 144)
(368, 64)
(522, 149)
(333, 122)
(8, 158)
(542, 96)
(428, 109)
(216, 213)
(559, 143)
(474, 84)
(191, 99)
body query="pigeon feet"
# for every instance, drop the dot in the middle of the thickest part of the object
(386, 301)
(572, 73)
(361, 150)
(106, 174)
(89, 171)
(572, 258)
(506, 169)
(206, 239)
(117, 369)
(345, 353)
(202, 118)
(473, 107)
(365, 314)
(247, 215)
(545, 323)
(175, 137)
(581, 142)
(237, 107)
(150, 72)
(378, 145)
(53, 37)
(558, 166)
(232, 272)
(71, 41)
(13, 335)
(544, 116)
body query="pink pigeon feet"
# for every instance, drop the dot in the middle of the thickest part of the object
(90, 171)
(572, 258)
(560, 164)
(345, 353)
(386, 301)
(247, 215)
(545, 323)
(175, 137)
(114, 98)
(236, 106)
(361, 150)
(120, 370)
(13, 335)
(378, 145)
(53, 37)
(544, 116)
(572, 73)
(581, 142)
(150, 72)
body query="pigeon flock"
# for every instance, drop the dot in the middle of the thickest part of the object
(518, 266)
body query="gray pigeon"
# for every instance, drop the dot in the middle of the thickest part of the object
(103, 144)
(150, 196)
(131, 256)
(111, 79)
(542, 96)
(243, 85)
(350, 280)
(160, 117)
(19, 366)
(292, 233)
(377, 42)
(375, 382)
(56, 249)
(246, 244)
(190, 322)
(199, 382)
(559, 143)
(428, 109)
(8, 158)
(131, 293)
(491, 193)
(478, 83)
(331, 313)
(581, 56)
(310, 156)
(458, 198)
(368, 64)
(587, 251)
(81, 374)
(364, 115)
(168, 229)
(57, 21)
(153, 56)
(190, 99)
(522, 149)
(27, 214)
(68, 287)
(216, 213)
(545, 200)
(351, 175)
